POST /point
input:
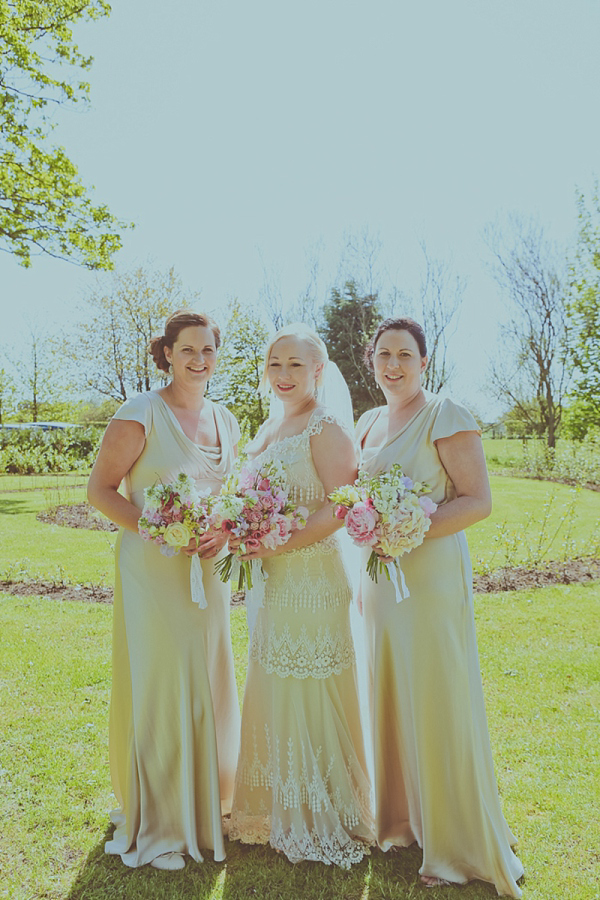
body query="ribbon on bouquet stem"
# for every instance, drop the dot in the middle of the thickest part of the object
(402, 591)
(197, 583)
(255, 588)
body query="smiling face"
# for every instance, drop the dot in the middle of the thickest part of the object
(397, 364)
(292, 369)
(193, 356)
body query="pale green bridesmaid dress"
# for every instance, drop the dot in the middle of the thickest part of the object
(174, 717)
(434, 775)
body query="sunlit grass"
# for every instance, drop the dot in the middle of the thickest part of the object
(30, 549)
(541, 675)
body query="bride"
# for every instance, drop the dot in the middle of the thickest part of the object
(302, 782)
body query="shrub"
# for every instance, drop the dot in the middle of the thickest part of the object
(33, 451)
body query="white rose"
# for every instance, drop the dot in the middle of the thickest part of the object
(177, 535)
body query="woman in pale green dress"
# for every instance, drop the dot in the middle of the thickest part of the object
(434, 776)
(174, 718)
(301, 782)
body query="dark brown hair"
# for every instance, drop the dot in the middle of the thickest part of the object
(403, 323)
(180, 319)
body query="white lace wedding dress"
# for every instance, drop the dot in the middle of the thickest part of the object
(302, 782)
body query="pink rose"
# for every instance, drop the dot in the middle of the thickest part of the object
(251, 544)
(360, 524)
(427, 505)
(284, 527)
(341, 512)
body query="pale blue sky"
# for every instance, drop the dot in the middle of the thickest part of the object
(237, 133)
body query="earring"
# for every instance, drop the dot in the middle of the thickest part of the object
(170, 368)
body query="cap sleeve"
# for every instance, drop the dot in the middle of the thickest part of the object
(319, 418)
(137, 409)
(451, 418)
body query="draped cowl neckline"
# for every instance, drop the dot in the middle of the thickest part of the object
(216, 462)
(378, 459)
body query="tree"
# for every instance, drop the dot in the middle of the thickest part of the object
(42, 389)
(349, 321)
(109, 347)
(584, 312)
(533, 363)
(441, 297)
(44, 207)
(8, 395)
(239, 369)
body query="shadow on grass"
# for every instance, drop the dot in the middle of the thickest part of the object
(9, 507)
(259, 872)
(105, 877)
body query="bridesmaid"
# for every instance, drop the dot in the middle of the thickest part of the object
(434, 777)
(174, 718)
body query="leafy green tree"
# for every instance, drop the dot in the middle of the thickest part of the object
(44, 206)
(108, 349)
(237, 377)
(43, 392)
(349, 320)
(8, 396)
(584, 311)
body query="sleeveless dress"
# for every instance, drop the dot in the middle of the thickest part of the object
(174, 717)
(434, 775)
(302, 782)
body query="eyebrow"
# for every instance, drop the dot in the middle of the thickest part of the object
(289, 357)
(384, 347)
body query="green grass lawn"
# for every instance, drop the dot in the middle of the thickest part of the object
(541, 677)
(32, 549)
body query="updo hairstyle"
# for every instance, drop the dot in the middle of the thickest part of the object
(403, 323)
(318, 350)
(177, 321)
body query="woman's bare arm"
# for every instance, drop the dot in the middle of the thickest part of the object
(121, 446)
(463, 459)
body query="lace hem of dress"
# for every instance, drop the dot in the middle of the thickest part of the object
(304, 790)
(336, 848)
(306, 656)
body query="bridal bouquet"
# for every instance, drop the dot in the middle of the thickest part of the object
(175, 513)
(254, 507)
(389, 510)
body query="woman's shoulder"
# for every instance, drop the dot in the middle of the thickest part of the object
(137, 408)
(324, 416)
(448, 417)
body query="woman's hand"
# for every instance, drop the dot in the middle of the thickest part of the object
(381, 554)
(206, 545)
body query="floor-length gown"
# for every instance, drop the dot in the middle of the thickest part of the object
(302, 782)
(434, 776)
(174, 718)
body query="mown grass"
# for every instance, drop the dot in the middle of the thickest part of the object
(541, 675)
(36, 550)
(531, 520)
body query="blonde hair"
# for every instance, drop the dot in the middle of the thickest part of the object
(301, 332)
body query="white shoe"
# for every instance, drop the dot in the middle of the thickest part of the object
(170, 861)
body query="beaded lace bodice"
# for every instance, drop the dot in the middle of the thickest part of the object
(306, 488)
